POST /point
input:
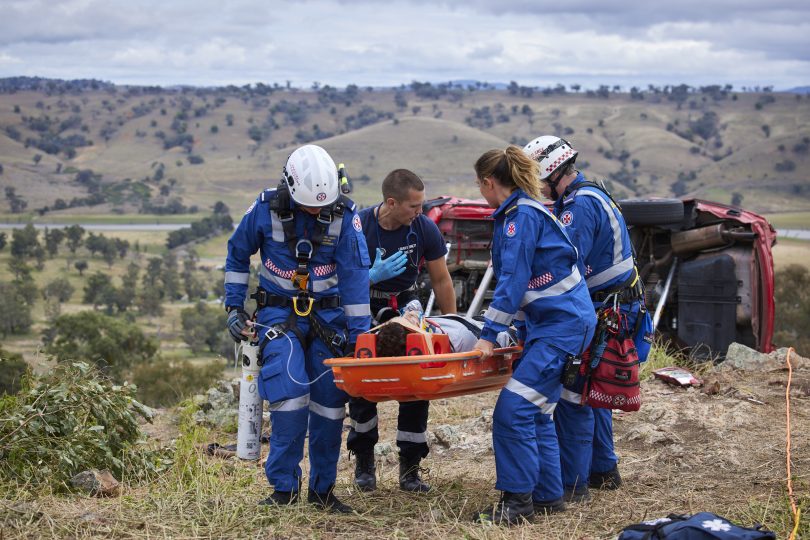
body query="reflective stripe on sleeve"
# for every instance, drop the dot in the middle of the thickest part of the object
(530, 394)
(357, 310)
(557, 289)
(498, 316)
(613, 272)
(410, 436)
(331, 413)
(614, 224)
(241, 278)
(364, 427)
(287, 405)
(520, 315)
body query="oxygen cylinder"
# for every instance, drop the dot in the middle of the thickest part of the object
(248, 439)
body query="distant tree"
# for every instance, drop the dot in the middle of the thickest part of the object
(53, 238)
(3, 240)
(766, 129)
(229, 119)
(16, 203)
(113, 345)
(98, 290)
(60, 289)
(736, 199)
(36, 159)
(109, 252)
(575, 87)
(24, 241)
(81, 266)
(15, 311)
(202, 327)
(74, 235)
(214, 129)
(792, 295)
(635, 163)
(415, 109)
(169, 277)
(149, 300)
(12, 370)
(785, 166)
(221, 208)
(1, 169)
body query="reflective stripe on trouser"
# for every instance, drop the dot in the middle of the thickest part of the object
(294, 406)
(527, 457)
(411, 427)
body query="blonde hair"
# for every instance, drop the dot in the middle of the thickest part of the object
(511, 168)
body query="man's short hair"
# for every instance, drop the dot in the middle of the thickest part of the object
(391, 340)
(398, 184)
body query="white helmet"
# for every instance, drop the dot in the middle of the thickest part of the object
(312, 177)
(551, 153)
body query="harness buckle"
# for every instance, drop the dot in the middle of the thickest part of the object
(338, 341)
(300, 279)
(273, 332)
(308, 307)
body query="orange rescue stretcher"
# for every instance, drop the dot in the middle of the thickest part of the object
(430, 370)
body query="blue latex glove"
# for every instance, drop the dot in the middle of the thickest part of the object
(391, 267)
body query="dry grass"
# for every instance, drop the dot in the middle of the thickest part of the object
(685, 451)
(790, 251)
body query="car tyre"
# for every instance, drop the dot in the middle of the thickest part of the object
(652, 211)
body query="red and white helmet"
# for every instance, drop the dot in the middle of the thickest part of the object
(312, 177)
(551, 153)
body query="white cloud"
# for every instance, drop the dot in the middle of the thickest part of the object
(396, 41)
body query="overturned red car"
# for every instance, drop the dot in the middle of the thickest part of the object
(707, 267)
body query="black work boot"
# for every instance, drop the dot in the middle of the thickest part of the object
(606, 480)
(328, 501)
(511, 509)
(549, 507)
(577, 494)
(409, 475)
(364, 471)
(280, 498)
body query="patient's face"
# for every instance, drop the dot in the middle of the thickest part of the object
(412, 317)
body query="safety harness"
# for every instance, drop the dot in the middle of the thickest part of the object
(631, 289)
(329, 220)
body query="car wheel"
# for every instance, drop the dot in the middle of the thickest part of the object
(652, 211)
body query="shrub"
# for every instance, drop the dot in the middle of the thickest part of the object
(163, 384)
(71, 420)
(113, 345)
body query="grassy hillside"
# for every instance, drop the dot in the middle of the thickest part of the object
(705, 144)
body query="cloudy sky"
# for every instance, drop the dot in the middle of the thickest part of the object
(373, 42)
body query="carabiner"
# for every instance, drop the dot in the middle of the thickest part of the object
(299, 312)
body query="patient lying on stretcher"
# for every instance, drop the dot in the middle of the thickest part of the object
(463, 332)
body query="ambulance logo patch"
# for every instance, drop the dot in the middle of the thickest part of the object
(250, 208)
(321, 196)
(511, 229)
(567, 217)
(356, 223)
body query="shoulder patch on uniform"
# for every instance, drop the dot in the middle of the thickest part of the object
(567, 218)
(511, 229)
(250, 208)
(356, 223)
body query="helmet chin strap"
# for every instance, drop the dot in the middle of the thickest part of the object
(553, 184)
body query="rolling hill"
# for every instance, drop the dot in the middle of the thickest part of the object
(165, 150)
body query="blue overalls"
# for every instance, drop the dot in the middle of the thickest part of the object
(541, 287)
(597, 228)
(338, 266)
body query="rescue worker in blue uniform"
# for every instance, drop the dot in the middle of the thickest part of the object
(596, 227)
(401, 240)
(540, 286)
(312, 303)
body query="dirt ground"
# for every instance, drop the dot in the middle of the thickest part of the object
(720, 448)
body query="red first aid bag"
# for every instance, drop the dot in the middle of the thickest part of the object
(614, 383)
